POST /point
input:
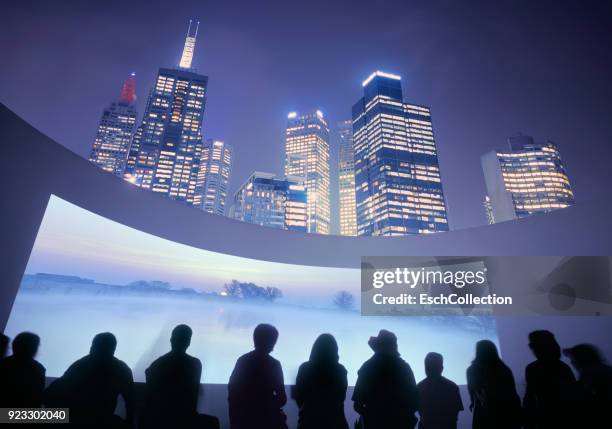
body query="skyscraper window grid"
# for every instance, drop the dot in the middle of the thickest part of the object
(397, 176)
(529, 178)
(307, 156)
(268, 200)
(114, 134)
(213, 177)
(346, 180)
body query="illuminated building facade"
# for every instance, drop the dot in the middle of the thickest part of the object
(346, 180)
(268, 200)
(213, 177)
(307, 156)
(529, 178)
(112, 142)
(398, 188)
(167, 146)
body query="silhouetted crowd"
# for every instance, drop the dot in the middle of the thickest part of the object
(386, 395)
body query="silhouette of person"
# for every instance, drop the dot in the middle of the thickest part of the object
(173, 384)
(385, 394)
(256, 390)
(4, 343)
(439, 398)
(22, 378)
(320, 387)
(594, 385)
(494, 400)
(91, 385)
(550, 393)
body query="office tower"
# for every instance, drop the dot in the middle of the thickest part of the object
(346, 179)
(110, 147)
(167, 146)
(397, 177)
(213, 177)
(268, 200)
(307, 156)
(529, 178)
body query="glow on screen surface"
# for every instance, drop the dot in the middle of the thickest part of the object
(99, 275)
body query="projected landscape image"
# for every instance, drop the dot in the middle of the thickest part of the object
(88, 274)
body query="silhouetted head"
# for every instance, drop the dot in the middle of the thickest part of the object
(324, 349)
(434, 364)
(544, 345)
(4, 342)
(486, 353)
(103, 345)
(264, 337)
(181, 338)
(25, 345)
(385, 343)
(584, 356)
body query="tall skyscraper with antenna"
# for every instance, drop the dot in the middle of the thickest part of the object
(167, 146)
(112, 142)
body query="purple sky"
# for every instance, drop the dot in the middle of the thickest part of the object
(487, 69)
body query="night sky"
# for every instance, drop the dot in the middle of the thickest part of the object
(487, 69)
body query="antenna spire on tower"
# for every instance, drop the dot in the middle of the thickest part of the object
(128, 91)
(189, 47)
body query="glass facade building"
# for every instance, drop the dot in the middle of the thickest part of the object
(529, 178)
(114, 134)
(307, 156)
(398, 187)
(167, 146)
(268, 200)
(213, 177)
(346, 179)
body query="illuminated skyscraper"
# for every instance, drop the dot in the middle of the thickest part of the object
(213, 177)
(307, 156)
(529, 178)
(267, 200)
(397, 176)
(346, 180)
(110, 147)
(167, 146)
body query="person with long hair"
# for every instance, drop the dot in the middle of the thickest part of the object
(494, 401)
(550, 394)
(320, 387)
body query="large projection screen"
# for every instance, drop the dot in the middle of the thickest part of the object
(87, 274)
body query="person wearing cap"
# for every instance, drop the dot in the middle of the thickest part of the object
(385, 394)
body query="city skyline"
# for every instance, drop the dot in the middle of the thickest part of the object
(460, 137)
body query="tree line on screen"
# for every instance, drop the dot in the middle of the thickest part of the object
(235, 289)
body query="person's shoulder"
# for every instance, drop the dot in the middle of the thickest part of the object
(532, 366)
(405, 365)
(122, 366)
(449, 383)
(247, 356)
(305, 366)
(194, 361)
(39, 367)
(342, 369)
(424, 383)
(273, 360)
(369, 363)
